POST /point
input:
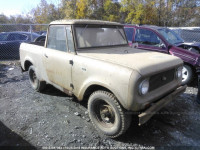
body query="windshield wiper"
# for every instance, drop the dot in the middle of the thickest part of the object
(120, 33)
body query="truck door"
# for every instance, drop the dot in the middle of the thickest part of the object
(58, 56)
(149, 40)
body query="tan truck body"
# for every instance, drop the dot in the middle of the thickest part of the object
(113, 69)
(118, 69)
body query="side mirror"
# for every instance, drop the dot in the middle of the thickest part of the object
(135, 45)
(162, 45)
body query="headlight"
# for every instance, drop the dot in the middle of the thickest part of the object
(144, 87)
(179, 72)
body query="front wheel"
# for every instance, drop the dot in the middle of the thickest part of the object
(187, 74)
(34, 81)
(107, 115)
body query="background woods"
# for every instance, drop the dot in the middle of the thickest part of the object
(155, 12)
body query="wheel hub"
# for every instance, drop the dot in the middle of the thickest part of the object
(34, 77)
(184, 74)
(107, 114)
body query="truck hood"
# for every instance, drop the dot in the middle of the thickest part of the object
(145, 62)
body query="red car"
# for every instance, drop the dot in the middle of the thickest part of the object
(164, 40)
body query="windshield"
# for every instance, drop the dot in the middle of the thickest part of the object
(98, 36)
(170, 36)
(3, 36)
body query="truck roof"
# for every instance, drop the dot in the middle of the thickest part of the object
(84, 21)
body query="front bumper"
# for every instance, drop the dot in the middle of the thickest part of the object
(145, 116)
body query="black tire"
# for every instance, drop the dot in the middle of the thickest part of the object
(35, 82)
(187, 74)
(107, 115)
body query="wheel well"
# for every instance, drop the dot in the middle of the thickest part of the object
(27, 65)
(93, 88)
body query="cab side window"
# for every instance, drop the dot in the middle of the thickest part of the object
(147, 37)
(57, 38)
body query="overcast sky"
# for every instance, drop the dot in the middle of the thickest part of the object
(16, 7)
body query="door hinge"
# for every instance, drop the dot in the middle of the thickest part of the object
(71, 85)
(71, 62)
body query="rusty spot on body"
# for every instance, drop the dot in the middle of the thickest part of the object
(67, 92)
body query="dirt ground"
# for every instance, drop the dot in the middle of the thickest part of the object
(53, 120)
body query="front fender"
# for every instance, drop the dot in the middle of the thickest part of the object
(28, 59)
(87, 84)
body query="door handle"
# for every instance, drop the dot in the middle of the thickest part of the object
(46, 55)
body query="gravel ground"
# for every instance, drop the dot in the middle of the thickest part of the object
(53, 120)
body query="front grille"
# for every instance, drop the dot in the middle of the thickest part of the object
(161, 79)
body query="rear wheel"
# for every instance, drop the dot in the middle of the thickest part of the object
(35, 82)
(107, 115)
(187, 74)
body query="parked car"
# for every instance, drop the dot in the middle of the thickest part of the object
(164, 40)
(92, 60)
(41, 32)
(40, 39)
(10, 43)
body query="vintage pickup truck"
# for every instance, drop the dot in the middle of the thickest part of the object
(92, 60)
